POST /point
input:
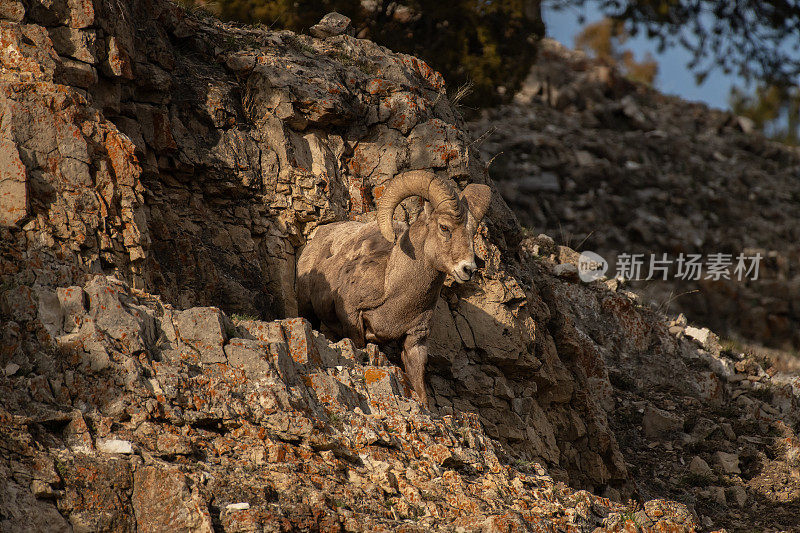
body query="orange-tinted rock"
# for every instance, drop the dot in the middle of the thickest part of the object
(13, 185)
(163, 501)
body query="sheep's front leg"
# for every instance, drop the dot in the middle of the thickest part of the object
(415, 357)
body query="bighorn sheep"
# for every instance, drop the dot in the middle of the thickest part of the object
(361, 282)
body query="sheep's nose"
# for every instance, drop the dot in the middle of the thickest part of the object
(470, 269)
(466, 269)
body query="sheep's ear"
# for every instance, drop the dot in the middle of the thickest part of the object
(428, 208)
(477, 197)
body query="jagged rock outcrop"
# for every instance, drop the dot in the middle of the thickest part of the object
(162, 153)
(202, 191)
(141, 417)
(608, 165)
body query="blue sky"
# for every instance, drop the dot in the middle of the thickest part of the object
(674, 77)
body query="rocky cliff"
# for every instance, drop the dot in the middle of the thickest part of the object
(160, 171)
(613, 166)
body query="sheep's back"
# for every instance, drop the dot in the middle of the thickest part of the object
(340, 271)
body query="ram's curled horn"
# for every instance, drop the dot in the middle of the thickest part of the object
(415, 183)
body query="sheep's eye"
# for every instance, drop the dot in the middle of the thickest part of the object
(444, 229)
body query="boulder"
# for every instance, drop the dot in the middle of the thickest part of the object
(657, 422)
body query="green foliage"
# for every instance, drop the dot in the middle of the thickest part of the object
(690, 479)
(200, 8)
(488, 44)
(731, 346)
(774, 109)
(336, 420)
(758, 39)
(61, 468)
(521, 464)
(630, 516)
(604, 40)
(237, 317)
(763, 394)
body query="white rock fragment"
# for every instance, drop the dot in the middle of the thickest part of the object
(331, 25)
(701, 335)
(243, 506)
(114, 446)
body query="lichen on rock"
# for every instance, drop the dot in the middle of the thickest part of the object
(153, 372)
